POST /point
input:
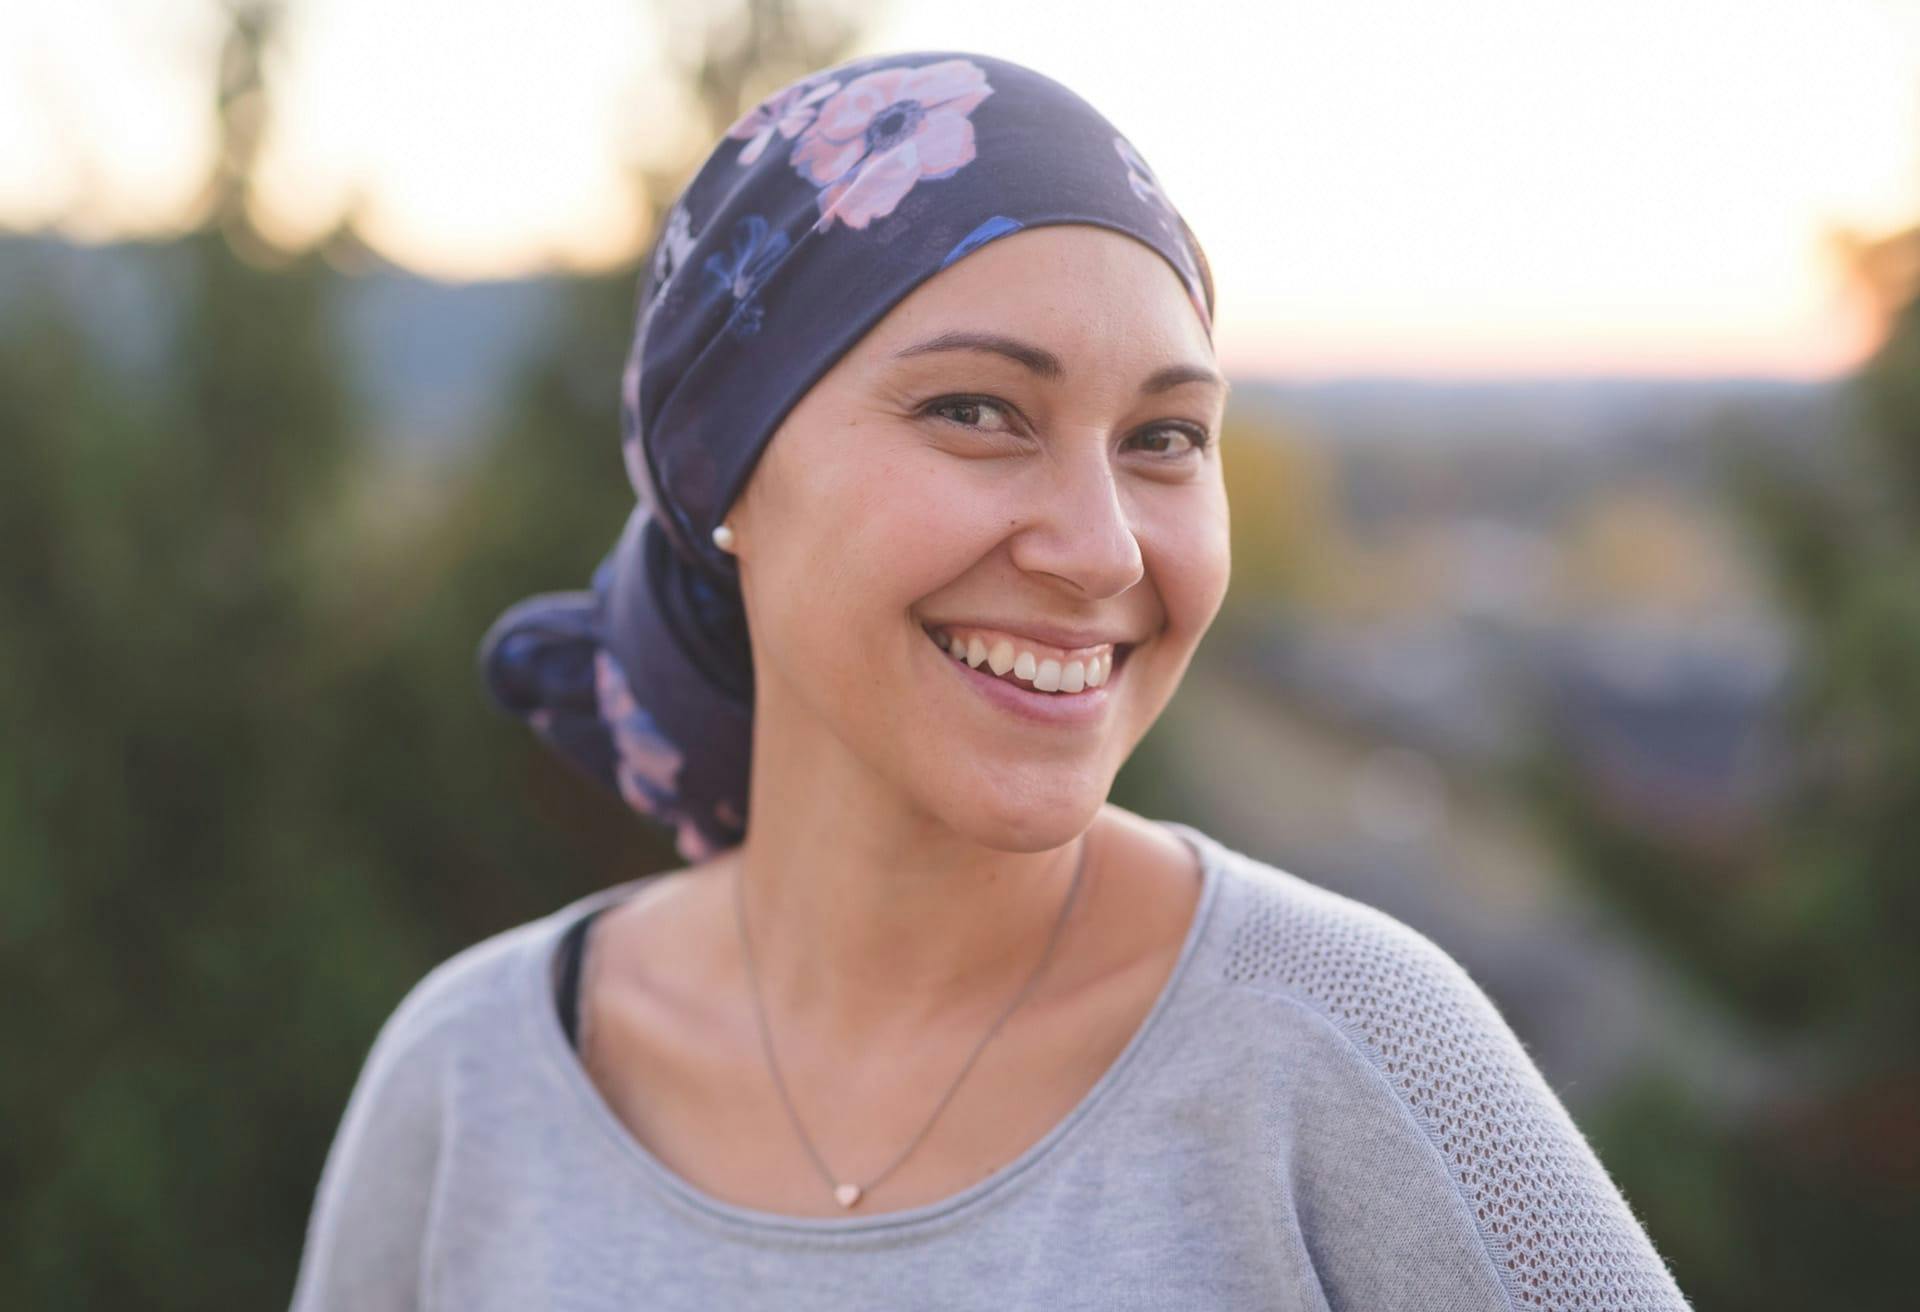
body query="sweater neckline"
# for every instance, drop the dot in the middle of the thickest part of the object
(586, 1101)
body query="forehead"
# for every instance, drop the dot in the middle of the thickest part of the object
(1082, 291)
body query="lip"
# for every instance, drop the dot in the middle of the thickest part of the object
(1061, 710)
(1050, 635)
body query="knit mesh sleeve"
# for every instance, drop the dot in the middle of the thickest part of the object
(1557, 1228)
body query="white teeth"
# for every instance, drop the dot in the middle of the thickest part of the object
(1044, 675)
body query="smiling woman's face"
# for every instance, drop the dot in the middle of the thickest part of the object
(1022, 456)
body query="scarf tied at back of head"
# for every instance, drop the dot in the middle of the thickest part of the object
(819, 211)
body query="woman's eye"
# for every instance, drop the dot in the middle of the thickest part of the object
(1172, 435)
(972, 412)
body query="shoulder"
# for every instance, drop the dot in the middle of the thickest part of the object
(1411, 1046)
(1358, 966)
(472, 987)
(371, 1213)
(475, 994)
(1384, 997)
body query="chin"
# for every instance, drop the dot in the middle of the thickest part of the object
(1012, 818)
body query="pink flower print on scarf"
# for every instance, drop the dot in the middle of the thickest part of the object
(785, 112)
(676, 241)
(648, 766)
(886, 131)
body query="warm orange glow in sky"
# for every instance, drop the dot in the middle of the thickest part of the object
(1482, 186)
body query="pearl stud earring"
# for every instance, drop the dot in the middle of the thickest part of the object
(723, 537)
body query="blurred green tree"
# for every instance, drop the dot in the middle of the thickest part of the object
(254, 790)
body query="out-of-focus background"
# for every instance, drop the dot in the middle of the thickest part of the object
(1575, 466)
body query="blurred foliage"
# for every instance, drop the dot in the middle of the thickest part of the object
(254, 790)
(1280, 491)
(1804, 935)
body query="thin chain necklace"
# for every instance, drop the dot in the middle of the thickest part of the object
(847, 1193)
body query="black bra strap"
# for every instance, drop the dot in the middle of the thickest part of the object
(572, 951)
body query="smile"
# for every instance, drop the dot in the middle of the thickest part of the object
(1051, 673)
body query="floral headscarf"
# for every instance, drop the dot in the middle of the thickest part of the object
(819, 211)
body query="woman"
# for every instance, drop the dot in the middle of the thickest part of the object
(922, 412)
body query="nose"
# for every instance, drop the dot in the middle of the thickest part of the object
(1080, 528)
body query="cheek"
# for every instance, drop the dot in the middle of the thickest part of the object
(863, 540)
(910, 523)
(1189, 559)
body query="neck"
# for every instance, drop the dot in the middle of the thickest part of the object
(867, 916)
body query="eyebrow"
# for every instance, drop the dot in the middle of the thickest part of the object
(1046, 364)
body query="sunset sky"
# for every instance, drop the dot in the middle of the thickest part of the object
(1477, 187)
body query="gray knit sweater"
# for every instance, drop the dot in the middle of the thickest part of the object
(1321, 1111)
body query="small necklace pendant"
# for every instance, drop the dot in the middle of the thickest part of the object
(847, 1194)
